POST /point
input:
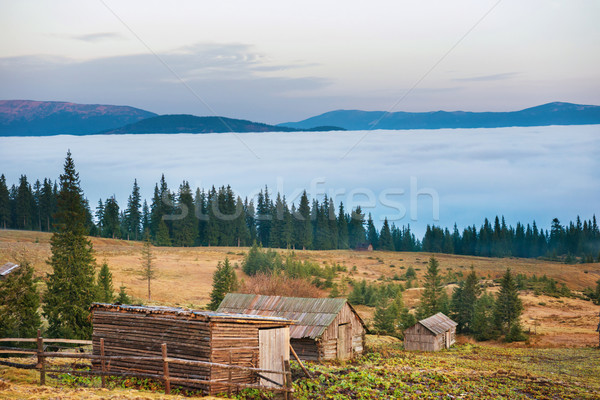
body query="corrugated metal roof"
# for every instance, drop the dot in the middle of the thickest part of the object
(438, 323)
(312, 316)
(187, 312)
(7, 268)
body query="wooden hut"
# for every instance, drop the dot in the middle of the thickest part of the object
(325, 329)
(6, 269)
(245, 340)
(431, 334)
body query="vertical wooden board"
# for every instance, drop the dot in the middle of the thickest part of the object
(274, 346)
(343, 341)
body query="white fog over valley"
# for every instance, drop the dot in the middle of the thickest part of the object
(522, 173)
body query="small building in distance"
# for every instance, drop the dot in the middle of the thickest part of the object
(244, 340)
(431, 334)
(6, 269)
(324, 328)
(364, 247)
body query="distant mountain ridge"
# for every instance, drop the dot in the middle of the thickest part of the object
(185, 123)
(556, 113)
(44, 118)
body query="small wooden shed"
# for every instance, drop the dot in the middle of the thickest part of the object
(6, 269)
(325, 328)
(245, 340)
(431, 334)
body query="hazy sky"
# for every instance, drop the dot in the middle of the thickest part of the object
(277, 61)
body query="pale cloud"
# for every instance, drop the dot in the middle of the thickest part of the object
(98, 36)
(522, 173)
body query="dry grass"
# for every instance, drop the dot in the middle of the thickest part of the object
(185, 277)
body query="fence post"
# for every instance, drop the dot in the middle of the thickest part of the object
(41, 363)
(287, 379)
(102, 363)
(166, 369)
(229, 376)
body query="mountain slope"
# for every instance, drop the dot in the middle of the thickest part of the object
(548, 114)
(44, 118)
(184, 123)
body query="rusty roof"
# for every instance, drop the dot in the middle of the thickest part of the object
(184, 312)
(438, 323)
(312, 316)
(7, 268)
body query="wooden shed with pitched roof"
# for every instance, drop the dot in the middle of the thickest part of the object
(243, 340)
(324, 329)
(431, 334)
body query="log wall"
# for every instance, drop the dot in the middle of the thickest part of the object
(420, 338)
(329, 340)
(194, 337)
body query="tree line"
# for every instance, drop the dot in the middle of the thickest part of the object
(217, 217)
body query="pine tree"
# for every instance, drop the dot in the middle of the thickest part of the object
(111, 223)
(356, 228)
(385, 238)
(342, 228)
(123, 297)
(508, 306)
(482, 326)
(432, 298)
(133, 217)
(463, 302)
(185, 227)
(224, 281)
(105, 284)
(4, 204)
(304, 234)
(71, 286)
(372, 235)
(148, 270)
(24, 205)
(19, 303)
(162, 235)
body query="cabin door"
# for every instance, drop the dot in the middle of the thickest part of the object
(274, 347)
(344, 344)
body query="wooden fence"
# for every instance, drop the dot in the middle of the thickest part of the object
(104, 360)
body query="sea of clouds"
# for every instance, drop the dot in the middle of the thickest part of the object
(419, 176)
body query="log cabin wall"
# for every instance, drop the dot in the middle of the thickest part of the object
(420, 338)
(201, 336)
(329, 341)
(134, 334)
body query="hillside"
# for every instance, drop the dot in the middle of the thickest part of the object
(185, 277)
(184, 123)
(548, 114)
(45, 118)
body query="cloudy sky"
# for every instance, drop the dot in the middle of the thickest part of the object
(276, 61)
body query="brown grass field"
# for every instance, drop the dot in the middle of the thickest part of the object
(185, 278)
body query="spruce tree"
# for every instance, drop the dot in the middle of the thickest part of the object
(463, 302)
(105, 284)
(185, 226)
(123, 297)
(148, 270)
(482, 326)
(71, 285)
(4, 204)
(385, 238)
(304, 234)
(356, 228)
(133, 216)
(342, 228)
(224, 281)
(19, 303)
(372, 235)
(433, 297)
(508, 306)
